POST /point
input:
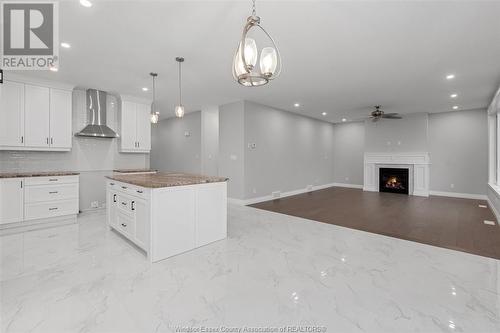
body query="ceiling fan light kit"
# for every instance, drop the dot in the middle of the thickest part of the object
(379, 114)
(245, 69)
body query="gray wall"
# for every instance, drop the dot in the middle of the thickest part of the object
(291, 151)
(348, 152)
(176, 144)
(93, 158)
(456, 141)
(400, 135)
(231, 147)
(459, 151)
(210, 141)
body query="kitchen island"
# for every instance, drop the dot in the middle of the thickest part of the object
(166, 214)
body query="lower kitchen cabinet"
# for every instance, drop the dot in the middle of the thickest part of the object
(33, 201)
(11, 200)
(168, 221)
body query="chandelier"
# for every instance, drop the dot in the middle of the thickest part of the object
(245, 71)
(155, 115)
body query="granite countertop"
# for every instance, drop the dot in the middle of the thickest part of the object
(37, 174)
(165, 179)
(133, 170)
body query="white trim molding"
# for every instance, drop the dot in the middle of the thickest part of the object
(251, 201)
(417, 163)
(459, 195)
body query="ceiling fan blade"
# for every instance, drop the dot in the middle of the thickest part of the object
(391, 117)
(391, 114)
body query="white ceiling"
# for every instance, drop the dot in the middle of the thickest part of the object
(338, 57)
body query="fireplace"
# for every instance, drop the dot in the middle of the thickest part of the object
(394, 180)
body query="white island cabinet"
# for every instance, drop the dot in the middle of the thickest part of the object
(167, 214)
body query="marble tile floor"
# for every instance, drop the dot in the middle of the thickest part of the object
(274, 271)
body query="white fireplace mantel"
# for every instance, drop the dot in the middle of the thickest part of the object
(417, 163)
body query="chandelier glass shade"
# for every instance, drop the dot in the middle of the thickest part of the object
(245, 69)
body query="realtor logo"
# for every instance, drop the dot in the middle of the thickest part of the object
(30, 35)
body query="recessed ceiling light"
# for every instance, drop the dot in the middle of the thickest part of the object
(344, 120)
(450, 76)
(54, 69)
(296, 105)
(324, 113)
(455, 107)
(86, 3)
(65, 45)
(453, 95)
(145, 89)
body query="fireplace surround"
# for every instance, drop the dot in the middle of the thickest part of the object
(417, 165)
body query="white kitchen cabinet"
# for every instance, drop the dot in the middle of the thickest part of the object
(35, 117)
(11, 200)
(37, 111)
(11, 114)
(60, 118)
(135, 127)
(168, 221)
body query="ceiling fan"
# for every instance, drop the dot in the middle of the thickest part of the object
(378, 114)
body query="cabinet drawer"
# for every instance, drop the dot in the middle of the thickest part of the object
(50, 209)
(51, 180)
(125, 224)
(42, 193)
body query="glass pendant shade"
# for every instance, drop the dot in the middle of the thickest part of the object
(155, 117)
(179, 111)
(250, 52)
(239, 67)
(268, 61)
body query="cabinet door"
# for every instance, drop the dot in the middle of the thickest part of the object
(111, 206)
(12, 114)
(60, 118)
(143, 127)
(36, 112)
(128, 135)
(11, 200)
(141, 209)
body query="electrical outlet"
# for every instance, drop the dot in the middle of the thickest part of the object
(452, 185)
(346, 179)
(309, 188)
(276, 194)
(94, 204)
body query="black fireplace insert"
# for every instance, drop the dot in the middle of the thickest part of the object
(394, 180)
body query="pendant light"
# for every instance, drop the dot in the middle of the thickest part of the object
(155, 115)
(179, 109)
(245, 69)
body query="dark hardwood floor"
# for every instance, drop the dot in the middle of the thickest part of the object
(441, 221)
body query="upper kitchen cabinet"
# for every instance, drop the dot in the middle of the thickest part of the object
(12, 114)
(35, 116)
(135, 126)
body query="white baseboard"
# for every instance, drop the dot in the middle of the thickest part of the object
(251, 201)
(348, 185)
(493, 209)
(459, 195)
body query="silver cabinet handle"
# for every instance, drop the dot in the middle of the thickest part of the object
(51, 141)
(114, 197)
(21, 184)
(124, 187)
(22, 138)
(139, 191)
(112, 184)
(132, 205)
(54, 208)
(53, 180)
(124, 203)
(124, 225)
(47, 140)
(53, 192)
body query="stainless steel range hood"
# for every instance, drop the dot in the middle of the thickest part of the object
(96, 113)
